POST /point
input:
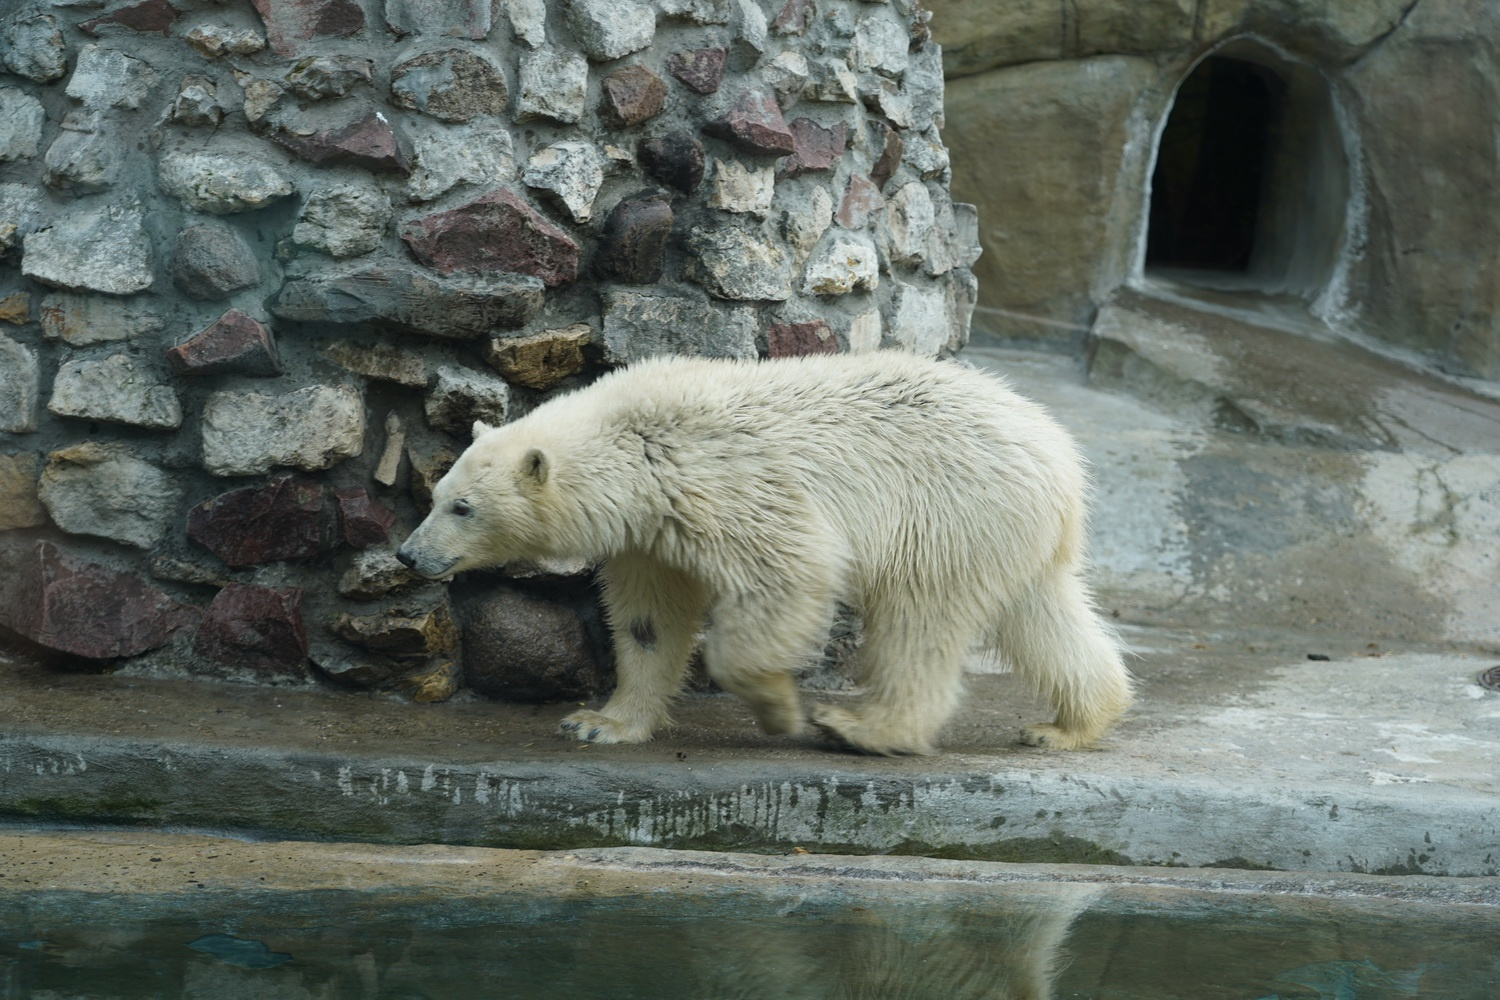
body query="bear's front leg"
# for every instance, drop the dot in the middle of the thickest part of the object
(654, 614)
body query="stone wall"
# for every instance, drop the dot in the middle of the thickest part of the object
(263, 262)
(1058, 111)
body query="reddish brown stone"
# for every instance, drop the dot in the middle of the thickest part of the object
(862, 199)
(634, 248)
(255, 628)
(675, 158)
(755, 125)
(890, 156)
(89, 610)
(700, 70)
(631, 95)
(152, 15)
(795, 17)
(286, 518)
(289, 23)
(363, 520)
(234, 342)
(370, 143)
(818, 148)
(785, 340)
(498, 232)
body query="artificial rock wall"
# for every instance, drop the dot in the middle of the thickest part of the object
(1057, 112)
(263, 262)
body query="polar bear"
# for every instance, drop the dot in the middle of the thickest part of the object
(753, 496)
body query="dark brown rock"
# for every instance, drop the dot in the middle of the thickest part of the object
(212, 262)
(370, 143)
(257, 629)
(630, 95)
(453, 84)
(89, 610)
(402, 297)
(700, 70)
(498, 232)
(363, 520)
(755, 125)
(155, 16)
(634, 248)
(290, 23)
(817, 148)
(784, 340)
(286, 518)
(403, 633)
(519, 647)
(235, 342)
(675, 159)
(862, 200)
(430, 459)
(890, 155)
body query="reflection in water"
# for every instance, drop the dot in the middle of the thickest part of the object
(928, 941)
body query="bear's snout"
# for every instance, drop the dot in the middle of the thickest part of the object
(405, 558)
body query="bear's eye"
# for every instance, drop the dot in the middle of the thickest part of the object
(461, 508)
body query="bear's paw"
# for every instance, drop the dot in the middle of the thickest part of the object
(596, 727)
(1055, 737)
(855, 732)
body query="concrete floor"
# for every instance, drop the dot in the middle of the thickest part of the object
(1310, 616)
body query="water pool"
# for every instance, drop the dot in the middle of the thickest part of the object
(449, 923)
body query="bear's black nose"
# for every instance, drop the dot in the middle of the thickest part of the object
(406, 560)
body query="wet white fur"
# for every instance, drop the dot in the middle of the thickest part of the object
(949, 511)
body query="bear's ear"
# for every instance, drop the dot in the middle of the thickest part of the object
(479, 428)
(536, 466)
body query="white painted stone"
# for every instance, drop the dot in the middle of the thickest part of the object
(787, 74)
(910, 217)
(86, 155)
(571, 170)
(105, 491)
(925, 154)
(806, 222)
(20, 208)
(609, 29)
(104, 250)
(215, 40)
(246, 434)
(21, 119)
(116, 390)
(734, 263)
(750, 24)
(108, 78)
(865, 332)
(344, 220)
(553, 84)
(846, 263)
(744, 189)
(460, 396)
(444, 159)
(31, 45)
(834, 82)
(919, 320)
(221, 183)
(880, 45)
(639, 325)
(79, 320)
(20, 386)
(528, 19)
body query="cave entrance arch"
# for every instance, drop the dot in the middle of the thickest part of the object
(1250, 186)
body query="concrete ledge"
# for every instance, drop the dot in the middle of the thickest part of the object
(1201, 775)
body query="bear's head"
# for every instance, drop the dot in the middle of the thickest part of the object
(490, 509)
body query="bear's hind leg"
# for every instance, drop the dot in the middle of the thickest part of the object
(912, 673)
(1056, 642)
(755, 645)
(654, 616)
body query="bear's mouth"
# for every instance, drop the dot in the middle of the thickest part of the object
(423, 568)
